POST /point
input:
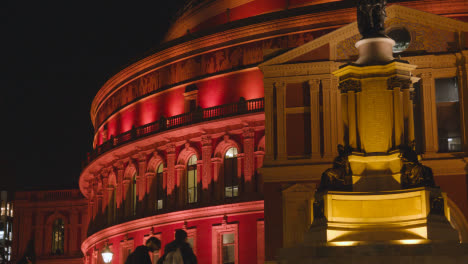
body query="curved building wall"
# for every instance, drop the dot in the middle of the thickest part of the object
(200, 95)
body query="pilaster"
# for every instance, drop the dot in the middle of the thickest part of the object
(269, 121)
(431, 144)
(281, 120)
(249, 147)
(314, 86)
(207, 150)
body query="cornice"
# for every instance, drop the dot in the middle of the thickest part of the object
(171, 218)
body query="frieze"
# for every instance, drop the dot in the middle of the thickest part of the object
(202, 65)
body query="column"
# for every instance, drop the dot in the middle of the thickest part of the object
(110, 204)
(352, 132)
(249, 160)
(281, 120)
(408, 115)
(269, 121)
(207, 150)
(399, 129)
(105, 194)
(314, 86)
(199, 178)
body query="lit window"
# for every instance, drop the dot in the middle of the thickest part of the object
(8, 209)
(11, 236)
(448, 115)
(3, 208)
(11, 210)
(231, 181)
(159, 187)
(192, 179)
(229, 249)
(58, 235)
(2, 234)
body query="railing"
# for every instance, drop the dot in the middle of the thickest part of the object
(163, 124)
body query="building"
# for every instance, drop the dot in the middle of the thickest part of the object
(180, 135)
(50, 225)
(6, 225)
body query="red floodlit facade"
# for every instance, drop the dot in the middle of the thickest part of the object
(180, 135)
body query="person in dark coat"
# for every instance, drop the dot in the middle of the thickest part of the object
(180, 242)
(141, 253)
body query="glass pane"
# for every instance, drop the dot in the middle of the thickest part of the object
(228, 238)
(446, 90)
(229, 254)
(231, 153)
(160, 168)
(192, 160)
(448, 115)
(160, 204)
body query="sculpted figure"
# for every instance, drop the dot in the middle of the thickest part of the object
(371, 17)
(413, 173)
(338, 178)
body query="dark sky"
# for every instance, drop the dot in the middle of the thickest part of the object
(55, 57)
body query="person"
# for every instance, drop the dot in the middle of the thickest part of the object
(140, 255)
(179, 245)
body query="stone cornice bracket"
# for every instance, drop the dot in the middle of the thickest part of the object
(170, 148)
(248, 132)
(206, 141)
(226, 137)
(350, 85)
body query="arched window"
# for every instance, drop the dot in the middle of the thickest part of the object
(159, 187)
(134, 194)
(58, 236)
(192, 179)
(231, 181)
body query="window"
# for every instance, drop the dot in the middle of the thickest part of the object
(225, 243)
(231, 181)
(448, 115)
(2, 234)
(159, 187)
(192, 179)
(58, 235)
(229, 248)
(8, 209)
(3, 208)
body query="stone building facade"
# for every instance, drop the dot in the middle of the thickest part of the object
(50, 226)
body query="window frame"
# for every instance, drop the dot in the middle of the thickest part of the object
(55, 243)
(235, 174)
(192, 167)
(159, 181)
(217, 241)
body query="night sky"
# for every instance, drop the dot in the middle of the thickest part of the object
(55, 57)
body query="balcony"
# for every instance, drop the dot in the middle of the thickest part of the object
(164, 124)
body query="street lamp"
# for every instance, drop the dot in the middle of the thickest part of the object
(107, 254)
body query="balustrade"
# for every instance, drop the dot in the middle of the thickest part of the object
(163, 124)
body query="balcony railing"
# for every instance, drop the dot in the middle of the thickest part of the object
(164, 124)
